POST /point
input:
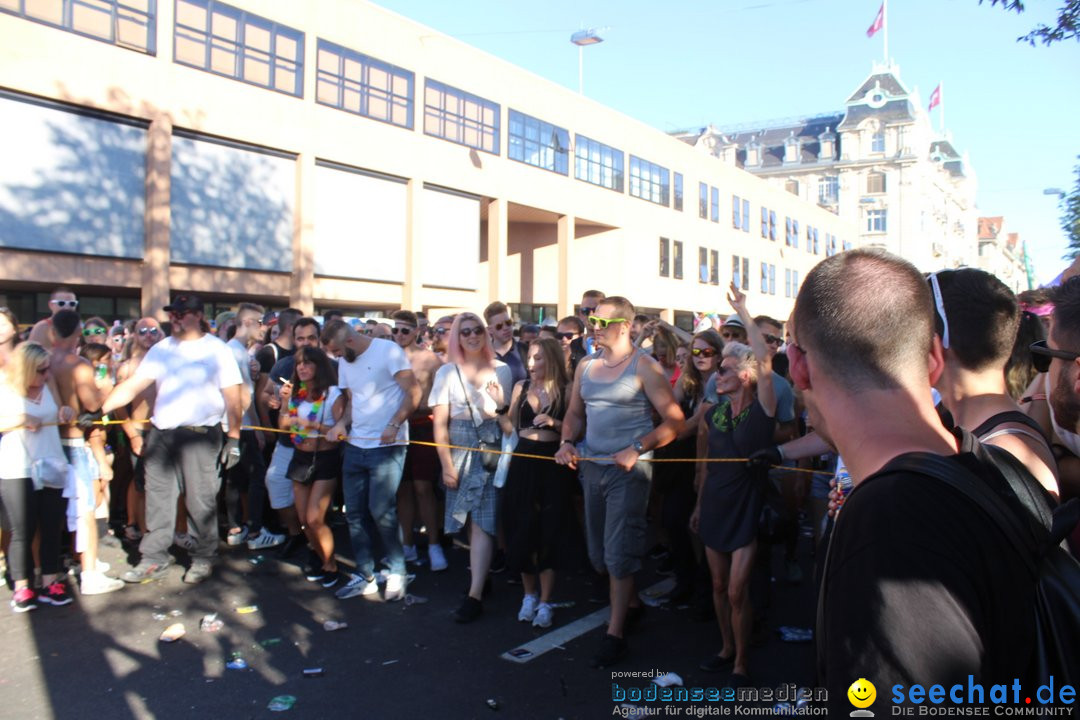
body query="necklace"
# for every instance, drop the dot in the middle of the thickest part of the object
(615, 365)
(300, 434)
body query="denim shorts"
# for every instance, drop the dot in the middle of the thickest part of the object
(86, 473)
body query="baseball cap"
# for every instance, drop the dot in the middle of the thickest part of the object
(270, 318)
(185, 301)
(734, 321)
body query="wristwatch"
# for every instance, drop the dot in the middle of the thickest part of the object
(638, 447)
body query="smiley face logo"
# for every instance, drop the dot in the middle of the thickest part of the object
(862, 693)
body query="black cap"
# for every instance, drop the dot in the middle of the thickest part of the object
(184, 302)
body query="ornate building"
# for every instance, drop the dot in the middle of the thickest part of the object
(1002, 253)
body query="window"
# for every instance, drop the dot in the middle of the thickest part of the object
(597, 163)
(764, 222)
(746, 273)
(795, 234)
(829, 190)
(537, 143)
(876, 221)
(461, 117)
(736, 276)
(816, 246)
(791, 283)
(772, 279)
(703, 200)
(714, 204)
(809, 239)
(648, 181)
(740, 272)
(877, 142)
(792, 186)
(787, 231)
(677, 274)
(772, 225)
(678, 191)
(225, 40)
(875, 182)
(128, 24)
(787, 283)
(356, 83)
(847, 245)
(703, 265)
(765, 278)
(736, 214)
(830, 245)
(746, 216)
(714, 267)
(665, 257)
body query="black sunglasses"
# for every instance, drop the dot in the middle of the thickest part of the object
(438, 331)
(466, 332)
(404, 330)
(566, 335)
(773, 339)
(1041, 355)
(148, 331)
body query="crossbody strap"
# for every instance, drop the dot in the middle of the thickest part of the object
(468, 402)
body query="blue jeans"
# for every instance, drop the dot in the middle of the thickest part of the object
(370, 479)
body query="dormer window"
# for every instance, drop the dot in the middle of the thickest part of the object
(791, 148)
(827, 145)
(753, 153)
(877, 141)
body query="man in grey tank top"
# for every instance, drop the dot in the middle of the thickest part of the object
(615, 392)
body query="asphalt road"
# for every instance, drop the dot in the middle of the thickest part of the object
(100, 657)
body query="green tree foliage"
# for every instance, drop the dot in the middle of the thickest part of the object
(1070, 214)
(1067, 26)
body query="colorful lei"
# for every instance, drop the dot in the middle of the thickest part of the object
(300, 434)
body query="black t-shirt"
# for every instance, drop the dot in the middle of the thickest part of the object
(270, 354)
(921, 587)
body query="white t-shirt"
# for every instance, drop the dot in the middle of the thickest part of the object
(20, 448)
(447, 389)
(189, 376)
(243, 362)
(326, 412)
(375, 394)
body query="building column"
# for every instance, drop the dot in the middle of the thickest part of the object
(155, 267)
(498, 231)
(414, 244)
(302, 281)
(565, 236)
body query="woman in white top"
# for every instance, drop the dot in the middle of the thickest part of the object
(32, 450)
(468, 393)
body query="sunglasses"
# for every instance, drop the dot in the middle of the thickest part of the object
(117, 339)
(402, 330)
(600, 323)
(466, 332)
(148, 331)
(65, 303)
(773, 339)
(1041, 355)
(588, 310)
(703, 352)
(566, 335)
(438, 331)
(721, 370)
(499, 326)
(87, 332)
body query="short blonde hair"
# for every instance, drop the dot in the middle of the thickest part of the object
(745, 355)
(26, 360)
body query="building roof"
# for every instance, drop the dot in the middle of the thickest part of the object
(989, 227)
(886, 79)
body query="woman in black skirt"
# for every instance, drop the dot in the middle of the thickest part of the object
(731, 496)
(538, 518)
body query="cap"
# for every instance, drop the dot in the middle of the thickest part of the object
(223, 317)
(270, 318)
(734, 321)
(531, 327)
(550, 321)
(185, 301)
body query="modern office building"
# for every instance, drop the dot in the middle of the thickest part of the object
(330, 153)
(878, 164)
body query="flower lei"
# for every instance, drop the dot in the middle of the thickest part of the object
(300, 434)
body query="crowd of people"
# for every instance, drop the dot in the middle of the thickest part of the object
(257, 430)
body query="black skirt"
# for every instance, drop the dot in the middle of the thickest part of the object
(307, 467)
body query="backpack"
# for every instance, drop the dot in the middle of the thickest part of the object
(1037, 529)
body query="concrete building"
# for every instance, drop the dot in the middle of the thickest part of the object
(877, 164)
(1002, 253)
(333, 154)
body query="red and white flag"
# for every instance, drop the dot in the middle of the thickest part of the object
(935, 98)
(879, 22)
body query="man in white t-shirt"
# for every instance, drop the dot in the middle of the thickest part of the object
(198, 383)
(382, 393)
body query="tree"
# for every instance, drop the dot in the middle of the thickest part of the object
(1066, 28)
(1070, 214)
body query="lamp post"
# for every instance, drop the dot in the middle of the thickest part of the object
(582, 38)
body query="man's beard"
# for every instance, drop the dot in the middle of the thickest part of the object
(1065, 403)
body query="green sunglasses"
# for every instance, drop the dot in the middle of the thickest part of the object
(601, 323)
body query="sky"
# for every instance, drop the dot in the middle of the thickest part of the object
(1015, 109)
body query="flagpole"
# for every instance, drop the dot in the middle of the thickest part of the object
(885, 27)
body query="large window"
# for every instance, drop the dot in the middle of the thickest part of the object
(875, 182)
(129, 24)
(764, 221)
(597, 163)
(678, 191)
(714, 267)
(877, 142)
(461, 117)
(359, 84)
(648, 181)
(736, 212)
(714, 204)
(703, 264)
(829, 190)
(791, 283)
(228, 41)
(740, 272)
(876, 221)
(703, 201)
(745, 215)
(772, 225)
(665, 257)
(677, 248)
(535, 142)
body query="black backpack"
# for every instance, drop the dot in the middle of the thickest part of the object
(1037, 529)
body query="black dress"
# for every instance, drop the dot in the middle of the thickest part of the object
(732, 496)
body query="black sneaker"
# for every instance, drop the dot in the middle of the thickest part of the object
(470, 610)
(666, 566)
(658, 551)
(24, 600)
(330, 578)
(612, 650)
(634, 616)
(199, 571)
(314, 573)
(716, 663)
(145, 570)
(291, 545)
(56, 594)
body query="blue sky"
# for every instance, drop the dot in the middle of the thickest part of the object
(1014, 108)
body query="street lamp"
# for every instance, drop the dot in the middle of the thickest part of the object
(1054, 191)
(582, 38)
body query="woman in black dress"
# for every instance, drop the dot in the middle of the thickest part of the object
(730, 496)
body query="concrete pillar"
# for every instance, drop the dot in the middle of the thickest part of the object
(155, 268)
(565, 237)
(414, 244)
(498, 232)
(302, 282)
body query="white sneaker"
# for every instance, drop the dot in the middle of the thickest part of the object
(437, 558)
(410, 553)
(528, 608)
(96, 582)
(395, 587)
(543, 616)
(236, 538)
(358, 585)
(265, 539)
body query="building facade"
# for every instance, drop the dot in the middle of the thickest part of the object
(333, 154)
(1002, 253)
(878, 165)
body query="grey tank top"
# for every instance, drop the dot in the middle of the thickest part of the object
(617, 413)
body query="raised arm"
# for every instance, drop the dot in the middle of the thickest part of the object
(766, 392)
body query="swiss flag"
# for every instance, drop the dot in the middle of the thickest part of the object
(935, 98)
(879, 22)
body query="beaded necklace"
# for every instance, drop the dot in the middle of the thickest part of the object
(299, 434)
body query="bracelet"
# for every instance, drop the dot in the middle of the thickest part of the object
(396, 426)
(566, 442)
